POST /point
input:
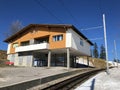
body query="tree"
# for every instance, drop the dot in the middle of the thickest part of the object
(115, 60)
(102, 52)
(95, 51)
(14, 28)
(118, 61)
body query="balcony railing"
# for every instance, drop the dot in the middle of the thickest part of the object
(32, 47)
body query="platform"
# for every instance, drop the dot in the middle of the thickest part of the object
(25, 78)
(103, 81)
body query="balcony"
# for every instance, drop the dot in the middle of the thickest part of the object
(32, 47)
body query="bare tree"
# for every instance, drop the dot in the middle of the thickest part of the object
(14, 28)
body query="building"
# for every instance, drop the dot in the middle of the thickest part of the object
(47, 45)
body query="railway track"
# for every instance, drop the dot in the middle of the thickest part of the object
(71, 83)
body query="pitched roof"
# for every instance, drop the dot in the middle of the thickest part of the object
(47, 25)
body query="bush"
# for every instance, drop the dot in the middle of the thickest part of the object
(99, 63)
(94, 62)
(3, 63)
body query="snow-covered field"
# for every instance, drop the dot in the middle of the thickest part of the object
(103, 81)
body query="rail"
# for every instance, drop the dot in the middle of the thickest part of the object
(74, 81)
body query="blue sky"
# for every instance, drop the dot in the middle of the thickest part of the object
(81, 13)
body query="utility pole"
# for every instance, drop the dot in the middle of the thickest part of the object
(105, 38)
(115, 53)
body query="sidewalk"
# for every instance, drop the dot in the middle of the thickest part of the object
(103, 81)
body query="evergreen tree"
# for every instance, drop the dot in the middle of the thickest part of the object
(118, 61)
(115, 60)
(95, 51)
(102, 52)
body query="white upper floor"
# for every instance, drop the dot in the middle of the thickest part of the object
(75, 41)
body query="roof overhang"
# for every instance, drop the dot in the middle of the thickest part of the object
(11, 38)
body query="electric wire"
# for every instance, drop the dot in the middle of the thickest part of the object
(96, 38)
(97, 27)
(67, 10)
(48, 10)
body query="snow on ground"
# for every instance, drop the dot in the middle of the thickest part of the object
(103, 81)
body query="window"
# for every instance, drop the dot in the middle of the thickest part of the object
(58, 38)
(42, 40)
(21, 60)
(15, 45)
(28, 61)
(25, 43)
(81, 42)
(12, 58)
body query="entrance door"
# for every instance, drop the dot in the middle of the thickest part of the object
(60, 61)
(40, 59)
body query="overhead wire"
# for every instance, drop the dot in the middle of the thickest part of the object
(67, 10)
(97, 27)
(48, 10)
(96, 38)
